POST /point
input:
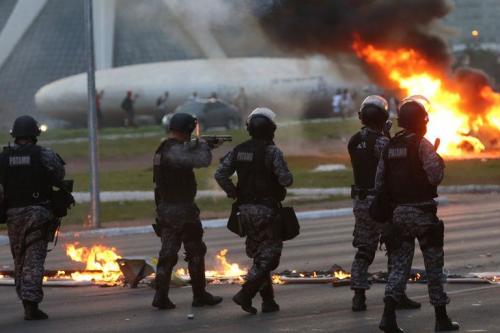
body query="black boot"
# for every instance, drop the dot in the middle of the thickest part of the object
(161, 300)
(201, 297)
(162, 285)
(32, 312)
(443, 322)
(244, 300)
(267, 293)
(248, 291)
(388, 323)
(359, 300)
(206, 298)
(407, 304)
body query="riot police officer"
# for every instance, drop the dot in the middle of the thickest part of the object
(27, 174)
(410, 170)
(178, 217)
(262, 177)
(365, 148)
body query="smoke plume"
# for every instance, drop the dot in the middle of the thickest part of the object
(330, 26)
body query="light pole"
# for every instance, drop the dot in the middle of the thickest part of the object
(92, 118)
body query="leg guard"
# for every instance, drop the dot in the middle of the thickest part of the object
(195, 256)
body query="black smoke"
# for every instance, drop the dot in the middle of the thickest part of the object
(329, 26)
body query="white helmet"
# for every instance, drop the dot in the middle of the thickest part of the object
(262, 112)
(377, 101)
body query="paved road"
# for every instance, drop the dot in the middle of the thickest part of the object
(472, 244)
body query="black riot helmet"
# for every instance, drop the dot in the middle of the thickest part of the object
(182, 122)
(261, 125)
(25, 127)
(413, 114)
(374, 111)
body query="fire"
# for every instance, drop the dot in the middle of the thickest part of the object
(458, 116)
(223, 269)
(100, 263)
(277, 279)
(341, 275)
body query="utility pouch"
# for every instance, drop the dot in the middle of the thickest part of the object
(3, 213)
(286, 224)
(391, 238)
(52, 230)
(61, 199)
(434, 236)
(234, 223)
(381, 208)
(157, 229)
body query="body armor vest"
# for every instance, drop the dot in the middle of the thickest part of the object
(256, 183)
(406, 179)
(172, 184)
(26, 181)
(363, 159)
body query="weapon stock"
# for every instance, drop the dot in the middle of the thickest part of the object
(224, 138)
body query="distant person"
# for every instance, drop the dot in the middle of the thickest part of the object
(346, 103)
(161, 105)
(241, 101)
(213, 97)
(336, 103)
(128, 106)
(98, 98)
(27, 174)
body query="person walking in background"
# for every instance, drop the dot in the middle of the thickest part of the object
(346, 104)
(337, 103)
(161, 106)
(241, 101)
(98, 99)
(128, 106)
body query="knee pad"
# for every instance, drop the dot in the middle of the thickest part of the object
(192, 232)
(195, 249)
(168, 260)
(365, 254)
(433, 237)
(267, 263)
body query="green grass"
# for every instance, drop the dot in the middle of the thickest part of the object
(472, 172)
(118, 178)
(145, 211)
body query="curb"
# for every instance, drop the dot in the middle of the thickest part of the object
(117, 196)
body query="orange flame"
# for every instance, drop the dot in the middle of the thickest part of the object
(341, 275)
(223, 269)
(449, 118)
(101, 266)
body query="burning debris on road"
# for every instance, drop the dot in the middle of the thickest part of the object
(105, 267)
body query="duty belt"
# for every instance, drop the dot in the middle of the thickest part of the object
(361, 193)
(269, 202)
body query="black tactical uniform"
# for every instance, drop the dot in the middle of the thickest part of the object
(178, 217)
(410, 171)
(27, 174)
(262, 177)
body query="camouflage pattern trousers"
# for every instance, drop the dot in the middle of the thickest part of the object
(261, 246)
(366, 240)
(180, 224)
(28, 244)
(414, 223)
